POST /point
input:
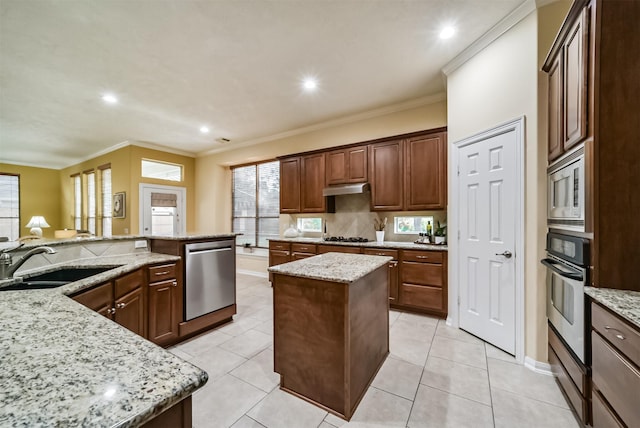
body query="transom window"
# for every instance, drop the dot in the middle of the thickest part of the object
(161, 170)
(256, 203)
(10, 206)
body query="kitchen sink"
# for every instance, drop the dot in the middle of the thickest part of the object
(56, 278)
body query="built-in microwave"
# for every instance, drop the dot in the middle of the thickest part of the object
(565, 192)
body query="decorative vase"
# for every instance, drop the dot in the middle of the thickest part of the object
(440, 239)
(379, 236)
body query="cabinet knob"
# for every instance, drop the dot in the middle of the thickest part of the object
(175, 283)
(111, 311)
(120, 306)
(618, 334)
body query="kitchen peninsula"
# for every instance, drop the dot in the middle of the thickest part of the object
(331, 327)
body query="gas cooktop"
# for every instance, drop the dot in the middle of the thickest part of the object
(348, 239)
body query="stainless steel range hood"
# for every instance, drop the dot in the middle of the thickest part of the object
(346, 189)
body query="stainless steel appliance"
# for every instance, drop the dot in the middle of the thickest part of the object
(210, 277)
(566, 192)
(566, 262)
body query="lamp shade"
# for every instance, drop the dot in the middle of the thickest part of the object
(36, 224)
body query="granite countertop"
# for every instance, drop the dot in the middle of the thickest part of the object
(333, 267)
(625, 303)
(65, 365)
(371, 244)
(190, 237)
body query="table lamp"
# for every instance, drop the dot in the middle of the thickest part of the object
(36, 224)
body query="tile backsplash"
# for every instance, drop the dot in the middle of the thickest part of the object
(354, 218)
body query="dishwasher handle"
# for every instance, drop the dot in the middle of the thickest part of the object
(208, 250)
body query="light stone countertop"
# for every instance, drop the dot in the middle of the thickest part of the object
(625, 303)
(332, 267)
(392, 245)
(65, 365)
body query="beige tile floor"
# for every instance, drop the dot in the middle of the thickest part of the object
(435, 376)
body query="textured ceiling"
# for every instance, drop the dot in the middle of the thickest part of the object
(234, 66)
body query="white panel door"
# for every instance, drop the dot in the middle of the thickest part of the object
(162, 220)
(487, 213)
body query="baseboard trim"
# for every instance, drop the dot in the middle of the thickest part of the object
(253, 273)
(537, 366)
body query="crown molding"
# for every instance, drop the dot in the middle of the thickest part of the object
(161, 148)
(394, 108)
(504, 25)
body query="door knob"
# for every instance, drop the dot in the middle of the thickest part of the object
(507, 254)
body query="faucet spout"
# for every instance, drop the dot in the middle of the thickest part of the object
(7, 268)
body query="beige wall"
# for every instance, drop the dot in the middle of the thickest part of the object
(497, 85)
(213, 176)
(39, 195)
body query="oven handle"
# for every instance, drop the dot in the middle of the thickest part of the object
(571, 275)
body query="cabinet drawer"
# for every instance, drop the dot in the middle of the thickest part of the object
(303, 248)
(162, 272)
(96, 298)
(578, 402)
(574, 370)
(422, 273)
(298, 256)
(603, 416)
(422, 296)
(338, 249)
(381, 252)
(283, 246)
(422, 256)
(128, 283)
(617, 379)
(616, 331)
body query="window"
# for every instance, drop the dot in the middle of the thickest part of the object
(256, 203)
(161, 170)
(310, 224)
(105, 184)
(10, 206)
(412, 225)
(77, 202)
(90, 178)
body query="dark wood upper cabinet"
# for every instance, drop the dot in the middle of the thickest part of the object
(312, 176)
(555, 135)
(576, 56)
(386, 176)
(290, 185)
(425, 160)
(347, 165)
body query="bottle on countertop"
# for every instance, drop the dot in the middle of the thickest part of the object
(429, 229)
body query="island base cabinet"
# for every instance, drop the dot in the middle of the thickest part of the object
(177, 416)
(330, 338)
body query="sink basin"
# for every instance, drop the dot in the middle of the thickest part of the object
(56, 278)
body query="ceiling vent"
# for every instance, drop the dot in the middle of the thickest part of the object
(223, 140)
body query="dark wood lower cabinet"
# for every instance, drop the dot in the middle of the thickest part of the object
(163, 313)
(130, 311)
(177, 416)
(423, 282)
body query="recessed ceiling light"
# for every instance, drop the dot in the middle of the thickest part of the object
(447, 32)
(310, 84)
(204, 129)
(110, 99)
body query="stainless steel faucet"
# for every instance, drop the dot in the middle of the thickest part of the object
(7, 269)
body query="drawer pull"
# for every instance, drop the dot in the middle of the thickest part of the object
(161, 273)
(618, 334)
(120, 306)
(422, 257)
(393, 263)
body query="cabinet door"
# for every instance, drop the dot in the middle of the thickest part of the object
(277, 257)
(575, 82)
(99, 299)
(357, 161)
(386, 176)
(312, 183)
(425, 160)
(290, 185)
(555, 137)
(394, 270)
(130, 312)
(163, 311)
(128, 283)
(336, 167)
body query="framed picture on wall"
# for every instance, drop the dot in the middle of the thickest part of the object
(119, 205)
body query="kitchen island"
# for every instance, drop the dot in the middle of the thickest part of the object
(331, 327)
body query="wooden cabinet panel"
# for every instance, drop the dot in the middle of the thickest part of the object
(162, 272)
(575, 371)
(290, 185)
(299, 256)
(575, 82)
(423, 256)
(277, 245)
(617, 332)
(578, 402)
(603, 416)
(425, 160)
(347, 165)
(555, 112)
(130, 312)
(128, 283)
(422, 273)
(164, 298)
(357, 158)
(422, 296)
(303, 248)
(312, 182)
(394, 270)
(323, 248)
(617, 379)
(336, 167)
(277, 257)
(386, 176)
(99, 299)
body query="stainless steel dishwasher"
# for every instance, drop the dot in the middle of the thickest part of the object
(210, 280)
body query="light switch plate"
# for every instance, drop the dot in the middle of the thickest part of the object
(140, 244)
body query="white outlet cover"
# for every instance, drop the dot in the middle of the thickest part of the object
(140, 244)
